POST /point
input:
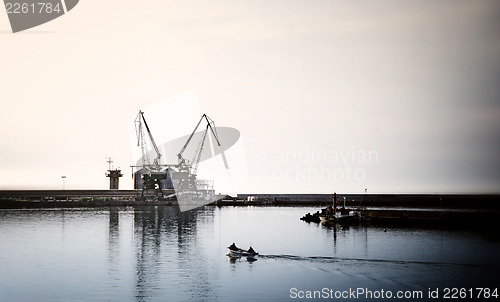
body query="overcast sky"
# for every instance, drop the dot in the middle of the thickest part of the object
(391, 96)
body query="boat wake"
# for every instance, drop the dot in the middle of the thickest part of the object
(329, 259)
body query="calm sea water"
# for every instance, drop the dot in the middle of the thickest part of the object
(161, 254)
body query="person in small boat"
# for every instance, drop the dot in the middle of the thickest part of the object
(329, 210)
(233, 247)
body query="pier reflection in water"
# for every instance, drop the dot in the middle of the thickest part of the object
(159, 254)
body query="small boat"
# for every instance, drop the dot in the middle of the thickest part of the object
(236, 252)
(341, 215)
(316, 217)
(334, 214)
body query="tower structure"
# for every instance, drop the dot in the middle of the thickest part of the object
(114, 176)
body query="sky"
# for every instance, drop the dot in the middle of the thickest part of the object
(387, 96)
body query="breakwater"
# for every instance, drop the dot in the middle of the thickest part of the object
(73, 198)
(380, 205)
(482, 202)
(462, 210)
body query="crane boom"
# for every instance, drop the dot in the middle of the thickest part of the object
(158, 154)
(142, 142)
(210, 122)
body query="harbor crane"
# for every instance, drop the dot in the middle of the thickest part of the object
(140, 124)
(152, 172)
(188, 169)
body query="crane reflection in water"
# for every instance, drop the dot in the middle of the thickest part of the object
(158, 234)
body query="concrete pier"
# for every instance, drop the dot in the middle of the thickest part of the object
(420, 201)
(374, 207)
(73, 198)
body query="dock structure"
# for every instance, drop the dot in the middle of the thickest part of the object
(66, 194)
(470, 208)
(70, 198)
(482, 202)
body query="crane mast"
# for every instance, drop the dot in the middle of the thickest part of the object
(140, 124)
